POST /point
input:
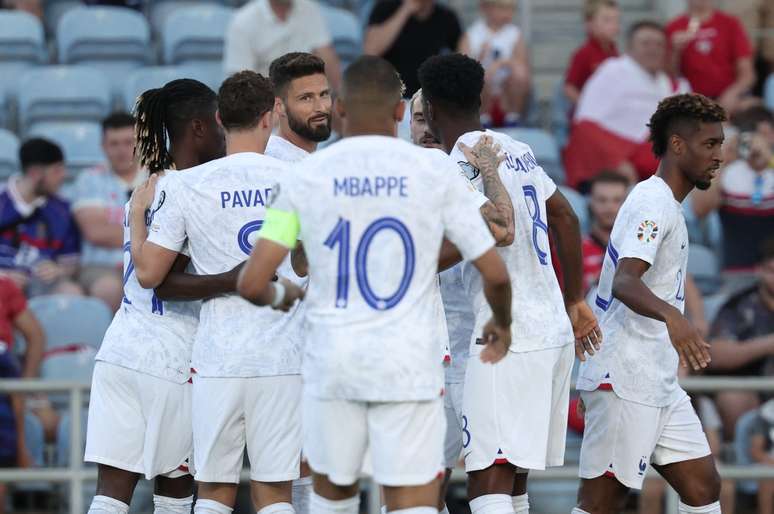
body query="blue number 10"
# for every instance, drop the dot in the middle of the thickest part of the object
(340, 235)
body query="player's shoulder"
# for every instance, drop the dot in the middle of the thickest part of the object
(651, 195)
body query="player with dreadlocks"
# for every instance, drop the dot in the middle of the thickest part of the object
(140, 410)
(636, 412)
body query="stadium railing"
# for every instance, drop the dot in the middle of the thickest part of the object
(76, 474)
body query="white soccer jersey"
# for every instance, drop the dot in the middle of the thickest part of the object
(373, 211)
(282, 149)
(148, 334)
(637, 357)
(219, 207)
(459, 320)
(539, 318)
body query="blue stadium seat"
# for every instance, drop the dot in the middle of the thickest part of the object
(63, 434)
(113, 39)
(53, 10)
(33, 433)
(544, 147)
(52, 93)
(579, 204)
(703, 264)
(345, 31)
(742, 433)
(143, 79)
(195, 34)
(22, 42)
(560, 115)
(768, 92)
(80, 142)
(9, 154)
(160, 10)
(57, 313)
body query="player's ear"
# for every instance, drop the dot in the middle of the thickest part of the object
(340, 108)
(217, 118)
(677, 144)
(400, 111)
(279, 107)
(267, 120)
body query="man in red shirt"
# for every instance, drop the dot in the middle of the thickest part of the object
(711, 49)
(603, 24)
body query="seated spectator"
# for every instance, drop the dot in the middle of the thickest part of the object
(263, 30)
(34, 7)
(98, 200)
(710, 48)
(407, 32)
(603, 24)
(610, 125)
(762, 452)
(16, 316)
(607, 194)
(496, 42)
(39, 241)
(743, 194)
(742, 339)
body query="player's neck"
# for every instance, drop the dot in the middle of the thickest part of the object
(183, 156)
(295, 139)
(373, 128)
(455, 129)
(675, 179)
(242, 141)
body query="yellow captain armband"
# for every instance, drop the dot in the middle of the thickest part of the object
(281, 227)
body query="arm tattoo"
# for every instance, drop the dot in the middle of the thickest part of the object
(502, 212)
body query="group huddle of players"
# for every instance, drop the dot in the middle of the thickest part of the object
(388, 308)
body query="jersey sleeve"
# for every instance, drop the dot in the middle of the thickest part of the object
(167, 224)
(444, 162)
(463, 224)
(645, 227)
(282, 224)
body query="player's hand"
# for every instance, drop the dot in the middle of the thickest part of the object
(497, 340)
(588, 336)
(485, 154)
(143, 195)
(292, 293)
(690, 346)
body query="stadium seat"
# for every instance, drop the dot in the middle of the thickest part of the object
(160, 10)
(33, 433)
(80, 142)
(704, 266)
(579, 204)
(195, 34)
(58, 314)
(142, 79)
(113, 39)
(560, 115)
(544, 147)
(74, 363)
(9, 154)
(345, 31)
(742, 433)
(52, 93)
(769, 92)
(22, 41)
(53, 10)
(210, 74)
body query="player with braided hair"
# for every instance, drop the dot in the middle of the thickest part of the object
(636, 412)
(140, 410)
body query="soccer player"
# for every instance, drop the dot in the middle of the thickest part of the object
(246, 385)
(420, 134)
(636, 412)
(524, 423)
(139, 414)
(372, 376)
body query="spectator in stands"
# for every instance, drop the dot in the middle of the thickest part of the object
(607, 194)
(610, 124)
(34, 7)
(16, 316)
(263, 30)
(742, 339)
(420, 133)
(744, 192)
(762, 452)
(603, 24)
(39, 241)
(711, 49)
(98, 200)
(496, 42)
(407, 32)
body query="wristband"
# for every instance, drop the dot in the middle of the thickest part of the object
(279, 293)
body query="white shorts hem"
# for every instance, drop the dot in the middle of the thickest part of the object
(637, 484)
(407, 480)
(216, 479)
(682, 458)
(276, 477)
(132, 468)
(478, 466)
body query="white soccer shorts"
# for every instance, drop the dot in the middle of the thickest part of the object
(262, 413)
(138, 422)
(405, 440)
(452, 399)
(515, 411)
(621, 437)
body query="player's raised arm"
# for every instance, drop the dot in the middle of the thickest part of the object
(632, 292)
(151, 262)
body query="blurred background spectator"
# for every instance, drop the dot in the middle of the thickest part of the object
(496, 42)
(603, 26)
(407, 32)
(711, 49)
(610, 123)
(762, 452)
(34, 7)
(39, 241)
(98, 198)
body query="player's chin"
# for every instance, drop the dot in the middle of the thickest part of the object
(703, 184)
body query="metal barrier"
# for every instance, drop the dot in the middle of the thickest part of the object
(75, 475)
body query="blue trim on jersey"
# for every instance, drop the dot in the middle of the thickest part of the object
(602, 303)
(613, 253)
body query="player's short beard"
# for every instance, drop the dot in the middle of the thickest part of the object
(702, 185)
(317, 134)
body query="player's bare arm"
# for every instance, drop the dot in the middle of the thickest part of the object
(566, 229)
(629, 289)
(181, 286)
(498, 212)
(256, 282)
(151, 262)
(497, 290)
